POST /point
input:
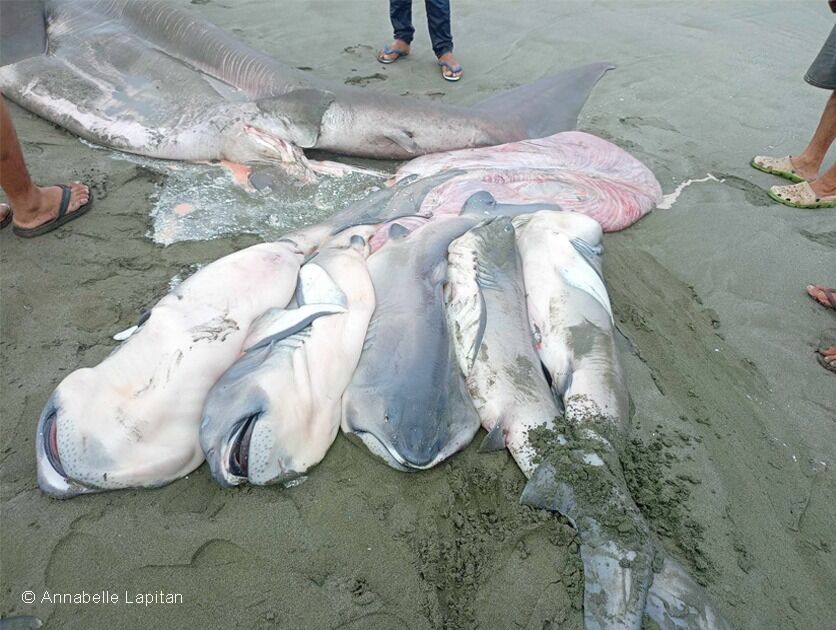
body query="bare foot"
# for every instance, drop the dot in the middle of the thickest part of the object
(827, 357)
(44, 204)
(822, 294)
(804, 168)
(447, 70)
(398, 48)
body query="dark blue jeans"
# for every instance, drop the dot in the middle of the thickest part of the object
(438, 19)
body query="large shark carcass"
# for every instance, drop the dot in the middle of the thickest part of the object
(145, 77)
(515, 329)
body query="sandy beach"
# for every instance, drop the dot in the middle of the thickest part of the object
(733, 443)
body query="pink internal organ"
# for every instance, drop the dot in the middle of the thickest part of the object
(575, 170)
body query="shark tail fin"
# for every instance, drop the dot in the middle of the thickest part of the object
(550, 105)
(677, 602)
(617, 565)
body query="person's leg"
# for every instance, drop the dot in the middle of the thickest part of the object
(32, 205)
(805, 166)
(438, 21)
(817, 191)
(400, 14)
(826, 296)
(825, 186)
(808, 162)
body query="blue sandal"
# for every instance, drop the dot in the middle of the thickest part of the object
(391, 51)
(454, 69)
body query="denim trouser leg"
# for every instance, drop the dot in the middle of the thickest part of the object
(438, 19)
(400, 12)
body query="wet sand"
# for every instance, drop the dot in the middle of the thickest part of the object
(734, 439)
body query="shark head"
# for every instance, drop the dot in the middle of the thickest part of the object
(246, 429)
(294, 118)
(81, 449)
(398, 431)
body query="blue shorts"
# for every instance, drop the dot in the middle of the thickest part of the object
(823, 71)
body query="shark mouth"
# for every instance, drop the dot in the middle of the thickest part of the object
(50, 444)
(52, 478)
(237, 458)
(284, 151)
(391, 456)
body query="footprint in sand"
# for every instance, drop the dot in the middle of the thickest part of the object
(359, 50)
(365, 80)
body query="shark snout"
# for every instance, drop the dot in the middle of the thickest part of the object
(419, 449)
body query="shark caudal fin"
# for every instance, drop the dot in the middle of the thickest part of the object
(550, 105)
(616, 550)
(677, 602)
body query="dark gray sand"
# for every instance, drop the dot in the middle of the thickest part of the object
(732, 452)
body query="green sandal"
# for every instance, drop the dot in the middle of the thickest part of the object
(782, 167)
(800, 196)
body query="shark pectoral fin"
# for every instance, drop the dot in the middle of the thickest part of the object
(677, 602)
(586, 278)
(315, 286)
(279, 323)
(144, 314)
(550, 105)
(300, 112)
(125, 334)
(591, 253)
(494, 440)
(405, 140)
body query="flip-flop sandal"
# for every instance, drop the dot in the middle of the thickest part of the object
(62, 218)
(781, 166)
(829, 293)
(391, 51)
(822, 362)
(451, 68)
(8, 218)
(800, 196)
